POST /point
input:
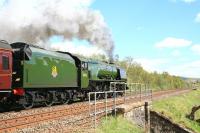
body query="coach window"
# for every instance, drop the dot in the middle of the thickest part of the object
(5, 61)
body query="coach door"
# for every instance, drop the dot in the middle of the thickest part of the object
(5, 69)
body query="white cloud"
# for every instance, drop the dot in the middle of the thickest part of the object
(84, 50)
(171, 42)
(189, 1)
(196, 48)
(186, 1)
(176, 53)
(152, 65)
(188, 69)
(197, 19)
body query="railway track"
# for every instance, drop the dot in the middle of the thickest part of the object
(15, 121)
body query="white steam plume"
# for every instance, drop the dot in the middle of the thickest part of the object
(68, 46)
(35, 21)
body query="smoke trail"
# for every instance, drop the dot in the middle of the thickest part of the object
(79, 49)
(35, 21)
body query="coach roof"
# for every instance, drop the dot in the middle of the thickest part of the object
(5, 45)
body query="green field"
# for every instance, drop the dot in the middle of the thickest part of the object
(176, 108)
(118, 125)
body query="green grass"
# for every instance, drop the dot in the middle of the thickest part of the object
(118, 125)
(176, 108)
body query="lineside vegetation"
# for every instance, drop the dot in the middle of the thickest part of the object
(157, 81)
(118, 125)
(176, 108)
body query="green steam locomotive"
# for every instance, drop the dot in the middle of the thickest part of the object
(42, 76)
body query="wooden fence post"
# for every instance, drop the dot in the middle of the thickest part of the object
(147, 118)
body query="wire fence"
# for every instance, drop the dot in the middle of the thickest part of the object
(119, 93)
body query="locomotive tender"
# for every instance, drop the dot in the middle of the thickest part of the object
(29, 74)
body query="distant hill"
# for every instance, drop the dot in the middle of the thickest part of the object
(191, 79)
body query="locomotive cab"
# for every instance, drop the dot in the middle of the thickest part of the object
(84, 74)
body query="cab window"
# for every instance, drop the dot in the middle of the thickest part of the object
(5, 62)
(84, 65)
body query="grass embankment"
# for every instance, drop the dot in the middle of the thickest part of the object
(118, 125)
(176, 108)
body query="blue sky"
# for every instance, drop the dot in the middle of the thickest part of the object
(162, 35)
